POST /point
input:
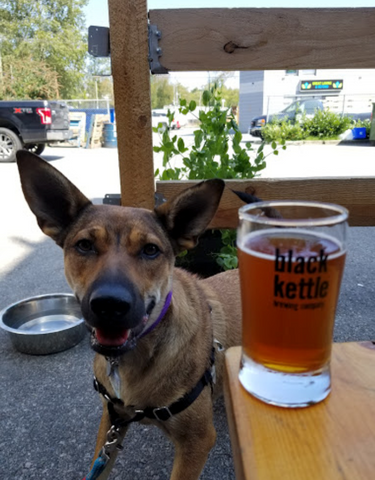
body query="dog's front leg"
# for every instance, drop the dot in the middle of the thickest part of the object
(193, 441)
(191, 455)
(105, 425)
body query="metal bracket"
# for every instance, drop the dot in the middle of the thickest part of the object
(99, 45)
(154, 51)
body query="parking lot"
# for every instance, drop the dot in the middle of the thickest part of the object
(49, 412)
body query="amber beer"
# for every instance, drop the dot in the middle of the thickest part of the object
(290, 283)
(291, 260)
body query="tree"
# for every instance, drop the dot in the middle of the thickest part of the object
(98, 82)
(50, 31)
(162, 92)
(230, 95)
(38, 81)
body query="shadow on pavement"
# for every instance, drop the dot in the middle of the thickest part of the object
(51, 158)
(355, 144)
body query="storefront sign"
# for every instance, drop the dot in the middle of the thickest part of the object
(307, 86)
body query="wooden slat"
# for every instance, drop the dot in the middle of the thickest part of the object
(266, 39)
(356, 194)
(131, 79)
(333, 440)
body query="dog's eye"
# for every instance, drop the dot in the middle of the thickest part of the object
(84, 246)
(150, 250)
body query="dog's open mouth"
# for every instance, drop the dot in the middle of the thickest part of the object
(112, 339)
(115, 343)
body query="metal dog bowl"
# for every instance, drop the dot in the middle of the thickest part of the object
(44, 324)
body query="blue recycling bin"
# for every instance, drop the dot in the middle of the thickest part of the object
(359, 133)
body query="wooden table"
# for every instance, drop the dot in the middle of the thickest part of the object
(333, 440)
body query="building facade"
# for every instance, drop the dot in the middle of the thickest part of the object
(268, 92)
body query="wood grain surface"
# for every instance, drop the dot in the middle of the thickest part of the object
(131, 80)
(356, 194)
(266, 38)
(333, 440)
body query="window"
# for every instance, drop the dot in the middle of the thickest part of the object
(308, 72)
(291, 72)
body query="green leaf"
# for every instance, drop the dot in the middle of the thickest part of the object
(181, 145)
(275, 152)
(202, 118)
(274, 145)
(237, 137)
(192, 106)
(198, 134)
(206, 97)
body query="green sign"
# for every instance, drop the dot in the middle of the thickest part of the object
(306, 86)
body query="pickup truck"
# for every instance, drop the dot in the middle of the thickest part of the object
(300, 107)
(31, 124)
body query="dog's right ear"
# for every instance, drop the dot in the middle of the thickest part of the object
(187, 215)
(53, 199)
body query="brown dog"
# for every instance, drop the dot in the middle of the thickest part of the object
(154, 327)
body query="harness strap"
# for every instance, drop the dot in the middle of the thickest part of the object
(157, 413)
(163, 414)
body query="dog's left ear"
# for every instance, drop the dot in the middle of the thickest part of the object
(188, 214)
(53, 199)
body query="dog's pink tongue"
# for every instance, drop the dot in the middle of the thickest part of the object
(111, 339)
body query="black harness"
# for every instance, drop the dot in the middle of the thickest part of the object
(157, 413)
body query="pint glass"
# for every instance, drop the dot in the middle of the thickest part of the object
(291, 260)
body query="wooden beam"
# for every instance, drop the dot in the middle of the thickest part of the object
(356, 194)
(266, 39)
(131, 79)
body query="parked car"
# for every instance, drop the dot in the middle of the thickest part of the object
(160, 116)
(295, 110)
(31, 124)
(360, 116)
(159, 119)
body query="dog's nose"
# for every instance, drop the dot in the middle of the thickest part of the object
(110, 303)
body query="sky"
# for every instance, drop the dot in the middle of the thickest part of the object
(97, 14)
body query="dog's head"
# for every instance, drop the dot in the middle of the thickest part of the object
(118, 260)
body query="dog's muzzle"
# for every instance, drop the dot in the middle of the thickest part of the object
(116, 313)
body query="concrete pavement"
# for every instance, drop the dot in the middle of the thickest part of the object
(49, 412)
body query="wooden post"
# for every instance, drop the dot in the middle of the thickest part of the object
(131, 79)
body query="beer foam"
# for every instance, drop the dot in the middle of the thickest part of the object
(306, 243)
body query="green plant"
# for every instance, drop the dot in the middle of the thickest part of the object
(323, 125)
(280, 131)
(227, 257)
(326, 124)
(217, 152)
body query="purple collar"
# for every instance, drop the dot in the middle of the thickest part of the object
(160, 317)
